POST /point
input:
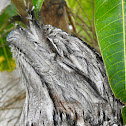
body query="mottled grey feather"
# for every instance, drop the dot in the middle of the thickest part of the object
(66, 83)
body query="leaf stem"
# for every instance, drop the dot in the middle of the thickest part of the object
(123, 17)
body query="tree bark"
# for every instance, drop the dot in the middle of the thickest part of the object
(53, 12)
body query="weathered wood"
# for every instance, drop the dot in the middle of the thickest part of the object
(65, 80)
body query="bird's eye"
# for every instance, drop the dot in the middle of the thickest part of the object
(36, 44)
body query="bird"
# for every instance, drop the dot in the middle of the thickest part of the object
(65, 79)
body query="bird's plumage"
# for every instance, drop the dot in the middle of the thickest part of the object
(65, 79)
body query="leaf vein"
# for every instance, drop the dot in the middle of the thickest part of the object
(110, 45)
(100, 6)
(120, 92)
(107, 12)
(115, 74)
(111, 35)
(117, 84)
(123, 17)
(109, 24)
(112, 54)
(114, 64)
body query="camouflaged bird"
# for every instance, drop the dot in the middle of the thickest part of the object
(65, 79)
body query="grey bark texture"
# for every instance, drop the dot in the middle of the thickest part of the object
(65, 79)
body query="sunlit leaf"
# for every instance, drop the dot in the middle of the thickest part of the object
(110, 21)
(6, 60)
(37, 4)
(83, 13)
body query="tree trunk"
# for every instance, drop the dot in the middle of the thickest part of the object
(65, 80)
(52, 12)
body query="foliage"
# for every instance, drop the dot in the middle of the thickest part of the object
(37, 4)
(83, 14)
(110, 26)
(6, 60)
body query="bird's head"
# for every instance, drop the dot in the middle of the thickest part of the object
(31, 52)
(29, 44)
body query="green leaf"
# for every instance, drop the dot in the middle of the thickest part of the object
(110, 21)
(124, 115)
(6, 60)
(37, 4)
